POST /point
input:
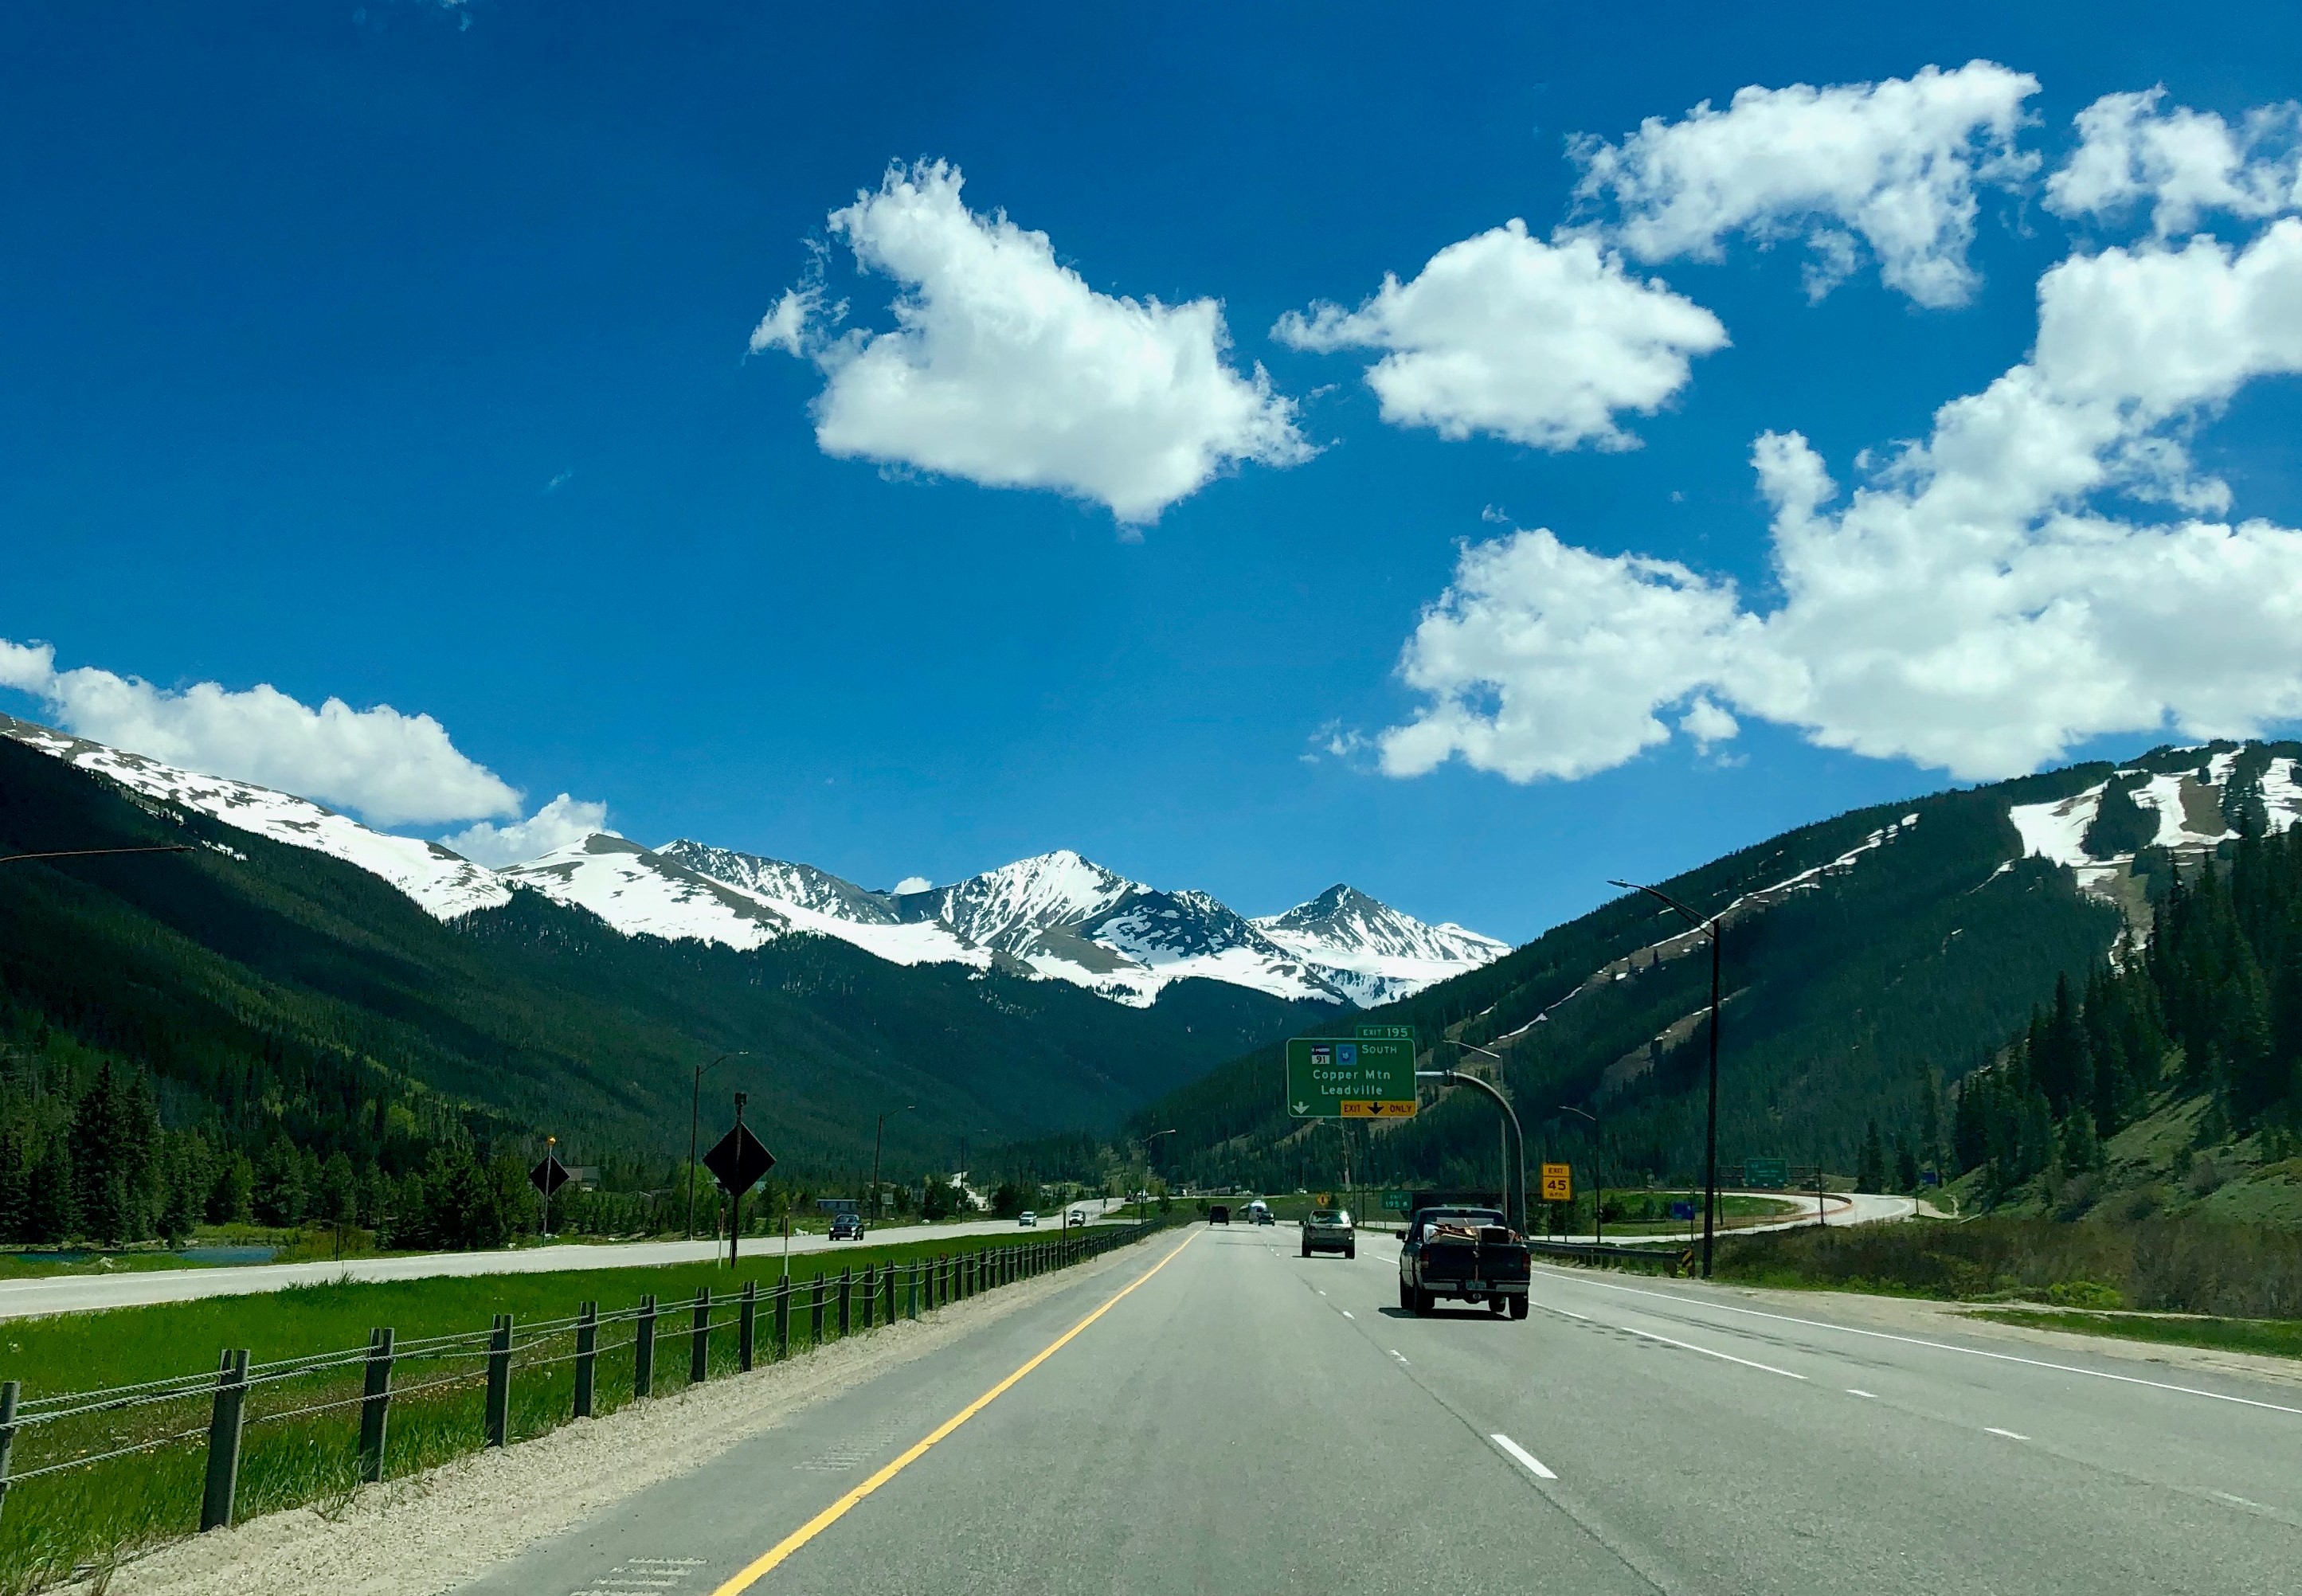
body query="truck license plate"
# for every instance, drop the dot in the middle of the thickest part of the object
(1474, 1285)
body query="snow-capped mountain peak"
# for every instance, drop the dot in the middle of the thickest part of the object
(1373, 952)
(799, 884)
(1008, 908)
(1058, 915)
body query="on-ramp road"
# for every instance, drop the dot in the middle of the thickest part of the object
(1233, 1417)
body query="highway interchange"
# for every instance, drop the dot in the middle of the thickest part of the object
(1216, 1413)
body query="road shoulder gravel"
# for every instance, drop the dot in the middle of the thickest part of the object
(433, 1532)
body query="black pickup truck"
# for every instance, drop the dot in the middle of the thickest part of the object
(1467, 1253)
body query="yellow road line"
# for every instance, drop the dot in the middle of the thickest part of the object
(753, 1572)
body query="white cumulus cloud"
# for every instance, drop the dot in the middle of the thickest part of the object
(2180, 163)
(395, 769)
(1541, 343)
(1892, 167)
(1986, 599)
(558, 823)
(1005, 368)
(913, 884)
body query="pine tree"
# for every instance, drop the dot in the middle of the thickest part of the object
(1870, 1163)
(52, 1200)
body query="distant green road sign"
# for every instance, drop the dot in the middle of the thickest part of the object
(1386, 1033)
(1765, 1172)
(1398, 1202)
(1366, 1079)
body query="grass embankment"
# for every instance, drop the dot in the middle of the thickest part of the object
(2189, 1282)
(90, 1516)
(2275, 1337)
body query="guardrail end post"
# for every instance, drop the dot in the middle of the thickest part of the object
(643, 1349)
(224, 1425)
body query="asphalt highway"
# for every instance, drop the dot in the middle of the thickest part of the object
(80, 1293)
(1225, 1416)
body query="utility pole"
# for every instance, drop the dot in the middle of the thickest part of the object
(694, 1122)
(877, 1136)
(1711, 1134)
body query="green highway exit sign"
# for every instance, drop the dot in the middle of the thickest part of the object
(1765, 1172)
(1386, 1033)
(1367, 1077)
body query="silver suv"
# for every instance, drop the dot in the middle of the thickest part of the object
(1329, 1230)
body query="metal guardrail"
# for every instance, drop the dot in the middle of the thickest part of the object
(65, 1432)
(1609, 1252)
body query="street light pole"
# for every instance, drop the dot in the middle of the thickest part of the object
(1514, 1169)
(1598, 1172)
(696, 1122)
(1518, 1221)
(1710, 1133)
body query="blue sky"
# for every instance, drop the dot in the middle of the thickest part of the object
(397, 353)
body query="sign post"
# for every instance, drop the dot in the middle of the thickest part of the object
(736, 1161)
(547, 1177)
(1366, 1079)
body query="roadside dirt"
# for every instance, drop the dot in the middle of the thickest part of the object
(1911, 1317)
(431, 1533)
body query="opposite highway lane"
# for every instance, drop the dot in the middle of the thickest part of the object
(79, 1293)
(1245, 1419)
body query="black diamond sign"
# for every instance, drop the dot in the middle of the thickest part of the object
(548, 1176)
(738, 1160)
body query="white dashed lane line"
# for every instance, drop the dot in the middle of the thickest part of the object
(1532, 1463)
(2009, 1434)
(1853, 1392)
(1708, 1352)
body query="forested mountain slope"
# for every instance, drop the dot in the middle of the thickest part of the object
(1863, 955)
(271, 993)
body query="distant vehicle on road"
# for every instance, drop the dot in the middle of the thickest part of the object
(1258, 1212)
(1470, 1255)
(1027, 1220)
(847, 1227)
(1218, 1215)
(1077, 1216)
(1330, 1231)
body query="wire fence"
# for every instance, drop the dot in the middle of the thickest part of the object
(86, 1477)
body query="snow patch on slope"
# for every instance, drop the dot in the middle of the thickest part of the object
(443, 883)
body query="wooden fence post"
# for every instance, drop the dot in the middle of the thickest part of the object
(643, 1349)
(815, 1313)
(699, 1339)
(223, 1442)
(870, 1296)
(846, 1298)
(887, 1284)
(747, 1326)
(8, 1393)
(500, 1382)
(587, 1357)
(782, 1318)
(375, 1403)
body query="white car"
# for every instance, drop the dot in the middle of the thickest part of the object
(1077, 1216)
(1027, 1220)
